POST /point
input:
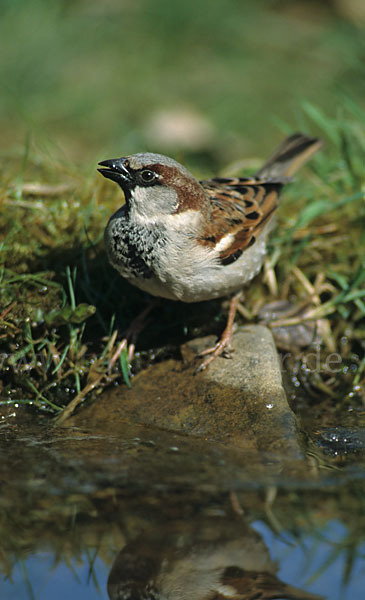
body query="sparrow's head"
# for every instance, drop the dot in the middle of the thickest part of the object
(154, 184)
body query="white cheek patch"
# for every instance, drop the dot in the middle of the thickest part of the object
(186, 221)
(225, 242)
(149, 204)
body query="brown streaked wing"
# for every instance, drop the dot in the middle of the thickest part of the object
(261, 585)
(240, 208)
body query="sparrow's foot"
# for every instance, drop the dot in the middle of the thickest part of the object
(222, 347)
(132, 333)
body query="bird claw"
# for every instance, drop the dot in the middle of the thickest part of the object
(220, 349)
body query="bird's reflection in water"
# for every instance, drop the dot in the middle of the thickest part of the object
(210, 559)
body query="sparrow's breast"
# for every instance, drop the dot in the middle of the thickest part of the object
(135, 252)
(131, 249)
(172, 265)
(191, 273)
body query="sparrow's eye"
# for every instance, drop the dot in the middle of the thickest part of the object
(147, 176)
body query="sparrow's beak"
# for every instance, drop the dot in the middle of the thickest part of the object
(117, 170)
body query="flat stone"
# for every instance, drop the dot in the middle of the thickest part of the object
(250, 392)
(238, 401)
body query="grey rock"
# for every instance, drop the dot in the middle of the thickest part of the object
(239, 401)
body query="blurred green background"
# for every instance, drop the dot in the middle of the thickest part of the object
(90, 79)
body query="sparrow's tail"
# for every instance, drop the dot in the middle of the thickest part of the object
(289, 156)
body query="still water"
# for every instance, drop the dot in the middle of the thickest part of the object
(150, 514)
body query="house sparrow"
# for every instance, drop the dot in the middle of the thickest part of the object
(205, 560)
(183, 239)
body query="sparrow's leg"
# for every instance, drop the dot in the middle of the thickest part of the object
(132, 333)
(223, 344)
